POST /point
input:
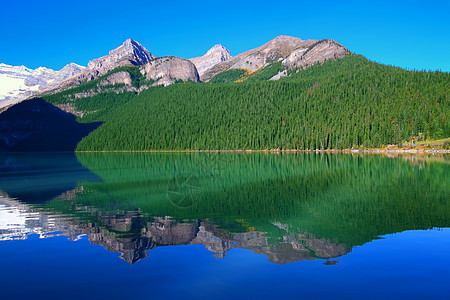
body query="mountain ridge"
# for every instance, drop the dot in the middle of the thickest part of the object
(272, 51)
(130, 53)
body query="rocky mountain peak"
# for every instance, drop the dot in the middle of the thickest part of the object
(217, 54)
(129, 42)
(129, 53)
(218, 48)
(283, 44)
(70, 70)
(136, 50)
(73, 66)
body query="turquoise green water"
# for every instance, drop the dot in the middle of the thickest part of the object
(347, 199)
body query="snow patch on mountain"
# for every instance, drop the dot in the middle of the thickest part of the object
(19, 82)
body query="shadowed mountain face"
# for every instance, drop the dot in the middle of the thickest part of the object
(35, 125)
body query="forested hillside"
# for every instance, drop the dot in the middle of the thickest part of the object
(349, 102)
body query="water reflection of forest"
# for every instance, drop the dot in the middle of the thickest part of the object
(288, 207)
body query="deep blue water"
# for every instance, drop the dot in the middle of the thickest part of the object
(117, 227)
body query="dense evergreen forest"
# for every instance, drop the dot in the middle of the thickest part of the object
(350, 102)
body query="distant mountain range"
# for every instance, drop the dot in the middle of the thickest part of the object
(18, 83)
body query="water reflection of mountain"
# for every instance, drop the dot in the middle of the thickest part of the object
(287, 207)
(132, 234)
(339, 197)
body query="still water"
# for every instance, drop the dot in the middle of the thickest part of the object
(221, 226)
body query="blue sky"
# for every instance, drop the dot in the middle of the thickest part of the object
(410, 34)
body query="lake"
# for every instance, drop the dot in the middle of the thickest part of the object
(224, 226)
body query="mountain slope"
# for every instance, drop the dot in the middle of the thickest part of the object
(303, 57)
(318, 52)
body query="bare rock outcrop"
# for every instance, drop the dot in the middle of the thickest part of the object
(254, 59)
(215, 55)
(316, 53)
(117, 78)
(166, 70)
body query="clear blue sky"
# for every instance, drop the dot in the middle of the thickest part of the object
(410, 34)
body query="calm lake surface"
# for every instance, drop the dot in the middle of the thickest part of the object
(224, 226)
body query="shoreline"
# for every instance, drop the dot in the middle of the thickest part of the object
(350, 151)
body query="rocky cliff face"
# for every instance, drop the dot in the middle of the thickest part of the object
(166, 70)
(214, 56)
(316, 53)
(117, 78)
(273, 51)
(20, 82)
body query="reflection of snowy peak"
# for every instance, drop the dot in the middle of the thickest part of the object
(19, 82)
(18, 220)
